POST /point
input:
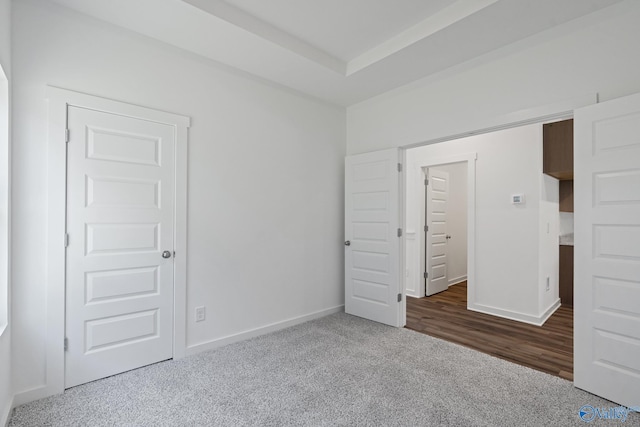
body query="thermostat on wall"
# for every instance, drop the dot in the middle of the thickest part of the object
(517, 199)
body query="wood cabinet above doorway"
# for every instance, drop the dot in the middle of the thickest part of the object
(557, 141)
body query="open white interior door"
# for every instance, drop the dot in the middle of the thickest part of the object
(372, 237)
(436, 195)
(607, 250)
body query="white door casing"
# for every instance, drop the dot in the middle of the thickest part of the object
(58, 101)
(436, 194)
(607, 250)
(120, 207)
(372, 242)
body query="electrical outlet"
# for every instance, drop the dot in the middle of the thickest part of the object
(548, 287)
(201, 314)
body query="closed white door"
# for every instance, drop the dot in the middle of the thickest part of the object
(607, 250)
(120, 207)
(372, 239)
(436, 195)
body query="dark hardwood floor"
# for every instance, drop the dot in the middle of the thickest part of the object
(547, 348)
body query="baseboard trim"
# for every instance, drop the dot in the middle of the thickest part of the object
(516, 315)
(273, 327)
(549, 311)
(5, 416)
(35, 393)
(457, 280)
(413, 294)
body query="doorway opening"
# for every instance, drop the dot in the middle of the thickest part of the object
(504, 263)
(443, 241)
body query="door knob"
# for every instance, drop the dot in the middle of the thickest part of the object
(166, 254)
(347, 243)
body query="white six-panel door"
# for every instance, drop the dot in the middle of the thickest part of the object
(437, 196)
(120, 207)
(372, 243)
(607, 250)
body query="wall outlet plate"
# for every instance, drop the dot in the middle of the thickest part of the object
(201, 314)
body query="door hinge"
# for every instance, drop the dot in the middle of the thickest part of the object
(399, 167)
(426, 181)
(426, 228)
(66, 343)
(399, 297)
(66, 240)
(66, 135)
(425, 275)
(399, 232)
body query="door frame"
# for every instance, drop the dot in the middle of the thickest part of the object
(542, 113)
(470, 160)
(58, 102)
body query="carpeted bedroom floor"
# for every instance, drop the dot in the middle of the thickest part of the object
(336, 371)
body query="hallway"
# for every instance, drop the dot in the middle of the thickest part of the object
(547, 348)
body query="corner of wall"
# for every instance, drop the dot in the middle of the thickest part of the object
(5, 415)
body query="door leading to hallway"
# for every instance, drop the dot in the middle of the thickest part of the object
(436, 237)
(120, 225)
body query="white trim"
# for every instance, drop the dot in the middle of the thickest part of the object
(30, 395)
(540, 114)
(5, 415)
(456, 280)
(517, 315)
(544, 113)
(402, 286)
(58, 101)
(544, 316)
(410, 288)
(252, 333)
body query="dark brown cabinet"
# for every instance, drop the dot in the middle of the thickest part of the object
(566, 275)
(566, 195)
(557, 142)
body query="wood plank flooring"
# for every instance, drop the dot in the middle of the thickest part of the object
(547, 348)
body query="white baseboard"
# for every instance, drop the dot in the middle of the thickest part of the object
(230, 339)
(32, 394)
(549, 311)
(516, 315)
(5, 415)
(413, 294)
(457, 280)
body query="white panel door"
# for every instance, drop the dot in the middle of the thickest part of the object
(437, 195)
(607, 250)
(372, 244)
(120, 204)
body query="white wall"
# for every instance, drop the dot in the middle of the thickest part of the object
(265, 193)
(6, 391)
(549, 246)
(592, 54)
(507, 236)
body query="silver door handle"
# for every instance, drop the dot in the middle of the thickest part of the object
(347, 243)
(166, 254)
